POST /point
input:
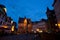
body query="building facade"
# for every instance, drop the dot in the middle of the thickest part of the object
(57, 11)
(6, 23)
(52, 20)
(40, 26)
(24, 25)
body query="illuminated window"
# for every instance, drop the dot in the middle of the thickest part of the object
(59, 25)
(5, 26)
(55, 24)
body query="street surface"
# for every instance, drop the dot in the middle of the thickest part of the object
(21, 37)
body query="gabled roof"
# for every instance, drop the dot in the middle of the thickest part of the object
(21, 20)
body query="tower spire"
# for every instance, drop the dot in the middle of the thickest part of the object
(54, 2)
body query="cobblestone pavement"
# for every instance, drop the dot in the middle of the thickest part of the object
(21, 37)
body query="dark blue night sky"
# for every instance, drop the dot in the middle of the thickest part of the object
(34, 9)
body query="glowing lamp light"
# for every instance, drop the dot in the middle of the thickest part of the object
(57, 25)
(37, 29)
(40, 31)
(5, 26)
(12, 29)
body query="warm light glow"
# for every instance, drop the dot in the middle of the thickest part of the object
(40, 31)
(5, 9)
(5, 26)
(37, 29)
(25, 22)
(57, 25)
(12, 29)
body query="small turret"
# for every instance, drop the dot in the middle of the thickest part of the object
(3, 9)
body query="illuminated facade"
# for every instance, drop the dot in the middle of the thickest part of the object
(40, 26)
(6, 23)
(56, 6)
(57, 10)
(24, 25)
